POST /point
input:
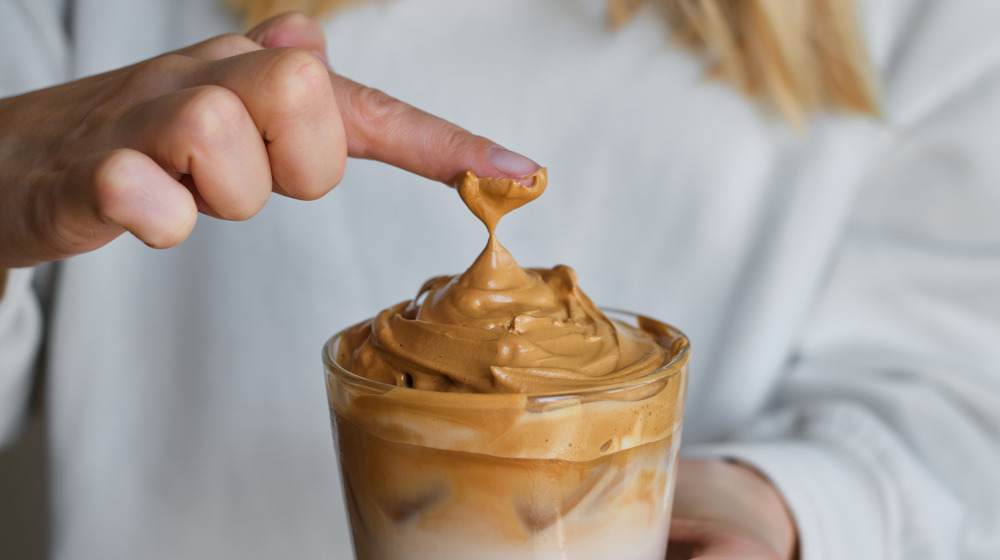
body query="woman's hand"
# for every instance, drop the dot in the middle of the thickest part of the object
(212, 128)
(728, 511)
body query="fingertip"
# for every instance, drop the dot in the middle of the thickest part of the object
(497, 161)
(291, 29)
(511, 164)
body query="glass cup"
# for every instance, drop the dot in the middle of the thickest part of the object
(579, 475)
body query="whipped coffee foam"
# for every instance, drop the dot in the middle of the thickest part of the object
(498, 328)
(501, 415)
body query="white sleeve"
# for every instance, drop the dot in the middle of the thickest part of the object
(34, 47)
(884, 437)
(20, 335)
(33, 54)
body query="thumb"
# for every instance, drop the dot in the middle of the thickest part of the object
(291, 29)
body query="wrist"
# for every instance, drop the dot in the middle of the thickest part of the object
(736, 499)
(776, 523)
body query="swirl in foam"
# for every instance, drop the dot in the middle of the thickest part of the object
(498, 328)
(566, 451)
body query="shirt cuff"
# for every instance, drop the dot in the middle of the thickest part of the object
(20, 329)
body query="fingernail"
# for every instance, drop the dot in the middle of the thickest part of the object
(511, 164)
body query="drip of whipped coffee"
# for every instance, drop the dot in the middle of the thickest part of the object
(499, 328)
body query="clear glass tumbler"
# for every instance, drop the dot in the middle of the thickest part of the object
(580, 475)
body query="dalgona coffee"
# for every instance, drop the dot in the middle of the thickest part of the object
(501, 414)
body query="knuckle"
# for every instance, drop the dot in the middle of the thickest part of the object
(376, 109)
(234, 43)
(110, 180)
(149, 77)
(209, 115)
(113, 185)
(453, 140)
(295, 77)
(156, 69)
(222, 46)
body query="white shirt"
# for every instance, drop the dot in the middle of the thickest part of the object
(840, 287)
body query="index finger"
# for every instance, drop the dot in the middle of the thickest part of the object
(382, 128)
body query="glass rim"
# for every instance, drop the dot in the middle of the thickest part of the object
(664, 372)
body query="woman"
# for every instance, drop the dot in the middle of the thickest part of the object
(837, 280)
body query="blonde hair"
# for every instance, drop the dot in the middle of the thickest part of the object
(256, 11)
(799, 57)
